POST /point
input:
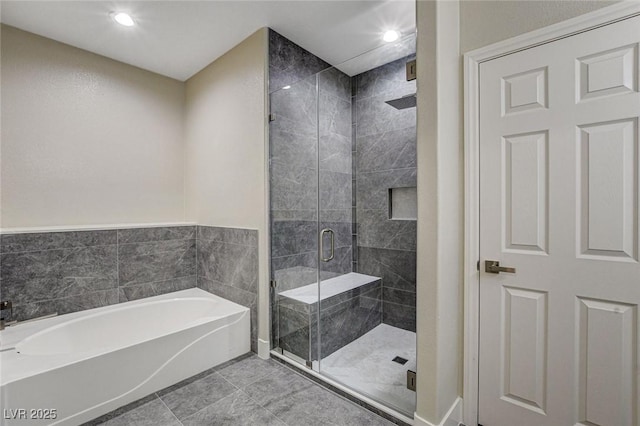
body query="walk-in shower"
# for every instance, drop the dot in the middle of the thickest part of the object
(343, 216)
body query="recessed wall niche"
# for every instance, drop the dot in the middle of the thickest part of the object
(403, 203)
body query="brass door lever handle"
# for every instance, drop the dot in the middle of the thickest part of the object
(493, 267)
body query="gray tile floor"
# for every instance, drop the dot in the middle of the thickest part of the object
(366, 365)
(245, 391)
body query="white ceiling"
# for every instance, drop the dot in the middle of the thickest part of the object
(179, 38)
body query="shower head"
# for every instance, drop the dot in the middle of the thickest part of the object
(408, 101)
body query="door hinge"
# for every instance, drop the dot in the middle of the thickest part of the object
(478, 266)
(273, 283)
(272, 117)
(411, 380)
(411, 70)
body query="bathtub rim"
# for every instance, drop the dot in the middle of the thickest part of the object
(12, 335)
(9, 353)
(116, 308)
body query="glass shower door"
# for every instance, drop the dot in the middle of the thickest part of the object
(367, 198)
(349, 303)
(293, 162)
(340, 316)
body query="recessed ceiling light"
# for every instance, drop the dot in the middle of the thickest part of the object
(390, 36)
(123, 19)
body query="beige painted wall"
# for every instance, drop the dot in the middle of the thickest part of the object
(86, 140)
(226, 147)
(440, 211)
(485, 22)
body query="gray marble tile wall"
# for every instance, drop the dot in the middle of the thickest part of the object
(310, 163)
(63, 272)
(227, 260)
(153, 261)
(290, 63)
(385, 157)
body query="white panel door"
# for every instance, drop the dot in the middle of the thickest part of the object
(559, 193)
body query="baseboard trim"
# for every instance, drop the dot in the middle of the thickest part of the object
(452, 418)
(263, 349)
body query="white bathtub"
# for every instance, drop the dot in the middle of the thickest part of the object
(86, 364)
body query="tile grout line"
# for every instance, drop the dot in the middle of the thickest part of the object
(134, 283)
(384, 132)
(390, 92)
(197, 240)
(126, 243)
(58, 248)
(220, 283)
(118, 264)
(257, 403)
(116, 287)
(327, 389)
(116, 242)
(74, 295)
(250, 383)
(215, 402)
(225, 379)
(330, 390)
(393, 169)
(167, 407)
(399, 304)
(230, 383)
(233, 244)
(264, 408)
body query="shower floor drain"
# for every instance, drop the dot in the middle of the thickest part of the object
(400, 360)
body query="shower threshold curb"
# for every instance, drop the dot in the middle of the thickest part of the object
(375, 407)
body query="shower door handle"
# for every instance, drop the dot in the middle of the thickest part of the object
(332, 235)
